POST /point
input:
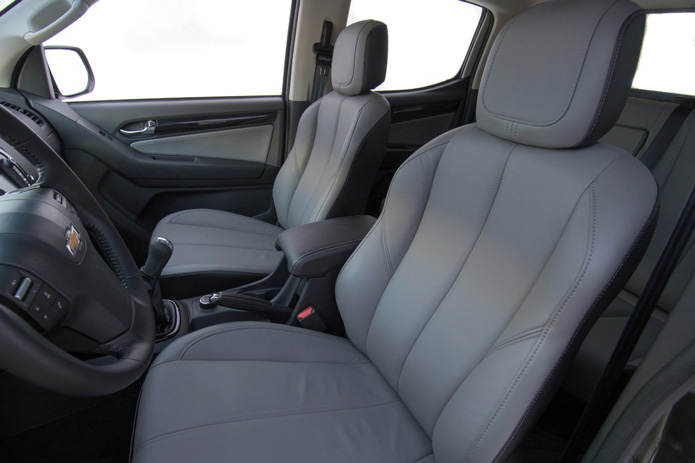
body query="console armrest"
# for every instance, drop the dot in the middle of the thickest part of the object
(314, 249)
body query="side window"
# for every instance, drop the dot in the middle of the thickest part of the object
(428, 40)
(142, 49)
(667, 62)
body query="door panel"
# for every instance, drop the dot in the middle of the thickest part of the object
(245, 144)
(175, 117)
(208, 153)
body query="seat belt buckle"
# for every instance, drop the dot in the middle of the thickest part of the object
(310, 319)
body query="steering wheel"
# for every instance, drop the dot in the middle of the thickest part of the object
(62, 293)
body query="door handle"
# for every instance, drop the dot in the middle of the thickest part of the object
(148, 129)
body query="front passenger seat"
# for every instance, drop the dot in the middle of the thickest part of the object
(340, 142)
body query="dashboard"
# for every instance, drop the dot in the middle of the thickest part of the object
(16, 171)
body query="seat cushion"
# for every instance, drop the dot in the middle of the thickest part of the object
(267, 393)
(214, 250)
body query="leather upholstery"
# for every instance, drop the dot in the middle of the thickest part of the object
(314, 249)
(593, 52)
(210, 244)
(259, 392)
(468, 306)
(340, 142)
(338, 136)
(465, 301)
(359, 58)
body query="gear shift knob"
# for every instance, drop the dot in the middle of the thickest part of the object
(158, 255)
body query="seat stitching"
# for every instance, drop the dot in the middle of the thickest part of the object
(381, 221)
(607, 87)
(574, 336)
(354, 58)
(295, 150)
(573, 88)
(226, 246)
(382, 216)
(228, 228)
(429, 193)
(402, 167)
(385, 247)
(202, 428)
(298, 362)
(231, 272)
(270, 327)
(556, 314)
(493, 348)
(315, 184)
(492, 196)
(247, 416)
(516, 339)
(333, 247)
(343, 158)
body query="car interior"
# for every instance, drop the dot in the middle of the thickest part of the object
(492, 267)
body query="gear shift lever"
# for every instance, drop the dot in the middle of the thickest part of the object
(158, 255)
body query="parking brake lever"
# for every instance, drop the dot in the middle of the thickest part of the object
(273, 312)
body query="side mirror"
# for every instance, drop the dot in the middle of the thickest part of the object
(70, 70)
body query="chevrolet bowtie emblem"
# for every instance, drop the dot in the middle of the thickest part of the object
(72, 239)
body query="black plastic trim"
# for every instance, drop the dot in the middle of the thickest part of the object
(179, 126)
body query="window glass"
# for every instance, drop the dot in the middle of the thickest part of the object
(667, 62)
(428, 40)
(179, 48)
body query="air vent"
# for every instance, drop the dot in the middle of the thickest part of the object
(25, 112)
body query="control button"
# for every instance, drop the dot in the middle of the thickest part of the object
(35, 289)
(12, 278)
(45, 297)
(59, 306)
(23, 289)
(41, 316)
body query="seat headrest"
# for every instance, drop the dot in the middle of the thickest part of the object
(359, 57)
(559, 73)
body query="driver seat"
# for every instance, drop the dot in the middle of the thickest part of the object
(499, 244)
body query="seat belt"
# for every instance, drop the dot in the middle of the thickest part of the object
(324, 57)
(669, 130)
(592, 418)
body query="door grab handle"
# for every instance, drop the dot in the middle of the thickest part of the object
(148, 129)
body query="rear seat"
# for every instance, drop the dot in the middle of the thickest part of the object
(636, 128)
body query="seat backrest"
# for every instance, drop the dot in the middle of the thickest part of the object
(501, 241)
(341, 138)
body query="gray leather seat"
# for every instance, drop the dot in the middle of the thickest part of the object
(498, 245)
(340, 142)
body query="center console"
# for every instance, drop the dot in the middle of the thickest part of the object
(300, 292)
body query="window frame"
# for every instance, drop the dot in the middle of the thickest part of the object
(284, 86)
(482, 32)
(660, 94)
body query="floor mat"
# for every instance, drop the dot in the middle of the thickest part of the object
(100, 434)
